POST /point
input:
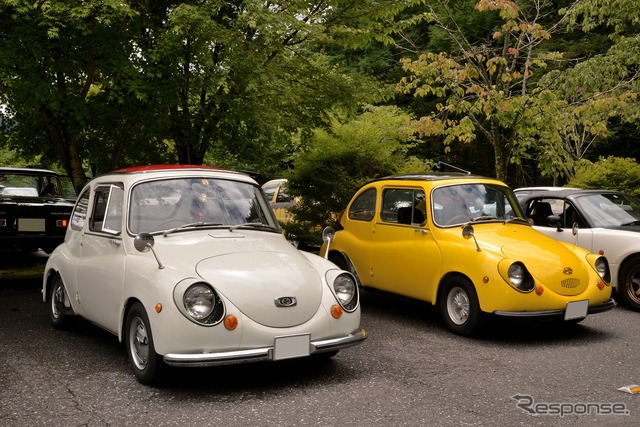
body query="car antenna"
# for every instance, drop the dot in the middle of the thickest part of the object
(440, 165)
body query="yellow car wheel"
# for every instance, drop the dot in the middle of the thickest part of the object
(459, 306)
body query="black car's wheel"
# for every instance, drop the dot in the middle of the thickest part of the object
(459, 307)
(629, 282)
(57, 303)
(146, 363)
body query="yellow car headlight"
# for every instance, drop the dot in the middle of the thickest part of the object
(520, 278)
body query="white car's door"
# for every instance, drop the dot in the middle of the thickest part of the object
(100, 267)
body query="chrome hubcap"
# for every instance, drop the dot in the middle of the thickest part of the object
(139, 343)
(57, 302)
(458, 305)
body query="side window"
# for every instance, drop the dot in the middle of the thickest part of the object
(571, 216)
(403, 206)
(540, 209)
(79, 215)
(107, 210)
(364, 206)
(283, 196)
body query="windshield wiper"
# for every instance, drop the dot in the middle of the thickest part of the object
(190, 225)
(253, 225)
(517, 219)
(636, 222)
(483, 218)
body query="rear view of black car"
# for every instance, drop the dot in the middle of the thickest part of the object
(34, 213)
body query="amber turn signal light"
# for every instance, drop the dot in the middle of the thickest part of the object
(158, 308)
(539, 290)
(600, 284)
(336, 311)
(231, 322)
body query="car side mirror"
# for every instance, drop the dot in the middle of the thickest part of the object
(468, 233)
(555, 221)
(327, 236)
(144, 243)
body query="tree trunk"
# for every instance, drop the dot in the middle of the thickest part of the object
(66, 148)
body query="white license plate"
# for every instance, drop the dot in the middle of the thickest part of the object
(31, 224)
(291, 346)
(576, 310)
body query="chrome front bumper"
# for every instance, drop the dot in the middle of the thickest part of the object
(260, 354)
(554, 314)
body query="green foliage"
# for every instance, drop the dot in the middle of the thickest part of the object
(610, 173)
(342, 159)
(525, 100)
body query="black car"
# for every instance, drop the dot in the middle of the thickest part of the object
(601, 221)
(34, 213)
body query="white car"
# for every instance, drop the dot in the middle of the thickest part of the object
(188, 267)
(601, 221)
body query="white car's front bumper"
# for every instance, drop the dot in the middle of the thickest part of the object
(260, 354)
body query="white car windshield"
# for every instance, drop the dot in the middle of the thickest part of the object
(167, 204)
(610, 209)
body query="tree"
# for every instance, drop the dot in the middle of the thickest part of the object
(496, 88)
(343, 158)
(56, 59)
(103, 83)
(610, 173)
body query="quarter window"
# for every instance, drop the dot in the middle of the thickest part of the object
(107, 209)
(79, 215)
(364, 206)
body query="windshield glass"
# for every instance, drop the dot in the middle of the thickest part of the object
(457, 204)
(161, 205)
(609, 209)
(29, 185)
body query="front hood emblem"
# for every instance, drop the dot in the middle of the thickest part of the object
(286, 301)
(567, 270)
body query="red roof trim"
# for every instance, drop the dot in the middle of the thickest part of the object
(152, 168)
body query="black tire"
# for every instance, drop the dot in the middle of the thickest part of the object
(325, 355)
(629, 282)
(460, 308)
(58, 312)
(146, 363)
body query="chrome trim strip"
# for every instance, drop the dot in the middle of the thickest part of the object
(259, 354)
(552, 314)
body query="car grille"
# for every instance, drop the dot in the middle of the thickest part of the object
(570, 283)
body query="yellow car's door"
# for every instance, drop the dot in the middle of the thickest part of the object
(406, 260)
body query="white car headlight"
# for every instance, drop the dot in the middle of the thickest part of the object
(344, 288)
(199, 301)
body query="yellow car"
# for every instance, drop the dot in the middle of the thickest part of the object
(461, 242)
(279, 199)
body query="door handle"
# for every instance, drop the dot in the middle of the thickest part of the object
(422, 231)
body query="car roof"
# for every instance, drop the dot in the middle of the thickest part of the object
(565, 192)
(27, 171)
(165, 167)
(433, 176)
(138, 173)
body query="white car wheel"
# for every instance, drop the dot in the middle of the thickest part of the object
(144, 360)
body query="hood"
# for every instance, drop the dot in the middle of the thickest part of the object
(253, 270)
(550, 262)
(634, 228)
